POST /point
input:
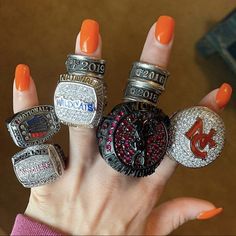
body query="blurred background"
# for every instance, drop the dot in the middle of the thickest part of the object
(41, 33)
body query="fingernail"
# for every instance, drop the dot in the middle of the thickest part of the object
(223, 95)
(89, 36)
(164, 29)
(209, 214)
(22, 77)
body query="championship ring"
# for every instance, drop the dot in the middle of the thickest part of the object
(197, 137)
(33, 126)
(133, 138)
(38, 165)
(79, 100)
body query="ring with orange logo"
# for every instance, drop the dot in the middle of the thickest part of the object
(197, 137)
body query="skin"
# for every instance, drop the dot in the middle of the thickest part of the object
(91, 198)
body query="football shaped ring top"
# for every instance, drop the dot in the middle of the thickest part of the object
(33, 126)
(197, 136)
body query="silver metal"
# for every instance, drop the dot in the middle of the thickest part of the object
(90, 66)
(79, 100)
(150, 73)
(141, 91)
(33, 126)
(197, 137)
(39, 165)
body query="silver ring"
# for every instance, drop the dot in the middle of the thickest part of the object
(33, 126)
(140, 91)
(79, 100)
(197, 137)
(152, 74)
(90, 66)
(39, 165)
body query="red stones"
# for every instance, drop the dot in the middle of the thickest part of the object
(109, 139)
(108, 147)
(117, 118)
(127, 143)
(139, 138)
(113, 124)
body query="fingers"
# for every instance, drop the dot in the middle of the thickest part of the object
(157, 47)
(82, 140)
(170, 215)
(24, 91)
(89, 41)
(157, 50)
(218, 98)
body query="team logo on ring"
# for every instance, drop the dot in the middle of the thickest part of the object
(199, 140)
(197, 136)
(33, 126)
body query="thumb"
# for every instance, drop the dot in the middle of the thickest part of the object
(172, 214)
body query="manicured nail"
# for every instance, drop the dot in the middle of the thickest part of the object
(223, 95)
(164, 29)
(22, 77)
(209, 214)
(89, 36)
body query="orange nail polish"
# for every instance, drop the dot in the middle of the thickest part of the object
(223, 95)
(164, 29)
(89, 36)
(22, 77)
(209, 214)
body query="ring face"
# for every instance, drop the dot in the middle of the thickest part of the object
(77, 64)
(133, 138)
(38, 165)
(79, 100)
(33, 126)
(197, 137)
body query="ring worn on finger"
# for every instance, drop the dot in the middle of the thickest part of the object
(133, 138)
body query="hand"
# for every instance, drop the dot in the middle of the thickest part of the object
(92, 198)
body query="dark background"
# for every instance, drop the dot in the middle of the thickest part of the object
(41, 33)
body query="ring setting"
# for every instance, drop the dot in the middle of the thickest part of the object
(197, 136)
(33, 126)
(79, 100)
(38, 165)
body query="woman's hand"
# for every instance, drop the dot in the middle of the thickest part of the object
(92, 198)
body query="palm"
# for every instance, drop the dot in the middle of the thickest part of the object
(94, 189)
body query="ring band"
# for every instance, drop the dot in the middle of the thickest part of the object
(141, 92)
(149, 73)
(196, 137)
(79, 100)
(77, 64)
(33, 126)
(38, 165)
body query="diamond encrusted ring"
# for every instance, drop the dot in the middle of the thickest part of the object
(79, 100)
(197, 136)
(38, 165)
